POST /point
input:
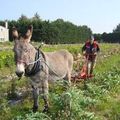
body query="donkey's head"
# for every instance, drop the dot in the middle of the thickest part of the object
(24, 52)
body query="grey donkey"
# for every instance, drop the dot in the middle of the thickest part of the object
(40, 67)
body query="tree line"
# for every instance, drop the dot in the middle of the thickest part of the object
(58, 31)
(108, 37)
(113, 37)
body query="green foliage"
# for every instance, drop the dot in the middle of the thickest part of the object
(33, 116)
(79, 104)
(58, 31)
(117, 29)
(110, 79)
(71, 104)
(6, 59)
(72, 49)
(111, 37)
(95, 99)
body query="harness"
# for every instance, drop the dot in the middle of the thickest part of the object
(90, 49)
(37, 65)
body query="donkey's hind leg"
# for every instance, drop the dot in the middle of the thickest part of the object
(68, 78)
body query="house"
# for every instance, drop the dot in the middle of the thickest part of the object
(4, 33)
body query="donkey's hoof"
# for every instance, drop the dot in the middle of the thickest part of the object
(35, 109)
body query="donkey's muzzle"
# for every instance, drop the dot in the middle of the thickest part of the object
(19, 74)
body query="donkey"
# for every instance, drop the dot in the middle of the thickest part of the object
(40, 66)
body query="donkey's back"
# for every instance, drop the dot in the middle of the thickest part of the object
(60, 64)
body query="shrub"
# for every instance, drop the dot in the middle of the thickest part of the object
(6, 59)
(34, 116)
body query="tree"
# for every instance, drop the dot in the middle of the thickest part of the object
(22, 17)
(58, 31)
(117, 29)
(98, 37)
(36, 16)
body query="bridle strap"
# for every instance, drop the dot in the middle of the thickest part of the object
(36, 67)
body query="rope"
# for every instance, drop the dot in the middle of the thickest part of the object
(31, 63)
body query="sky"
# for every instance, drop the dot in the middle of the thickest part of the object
(99, 15)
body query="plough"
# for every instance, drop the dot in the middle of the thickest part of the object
(83, 74)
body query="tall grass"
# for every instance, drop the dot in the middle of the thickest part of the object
(94, 99)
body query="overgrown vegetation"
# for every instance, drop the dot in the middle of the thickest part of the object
(95, 99)
(6, 59)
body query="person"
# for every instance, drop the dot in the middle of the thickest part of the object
(90, 50)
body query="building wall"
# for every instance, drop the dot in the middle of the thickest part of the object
(4, 34)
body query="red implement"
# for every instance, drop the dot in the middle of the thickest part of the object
(83, 73)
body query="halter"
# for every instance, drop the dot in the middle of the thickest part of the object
(37, 65)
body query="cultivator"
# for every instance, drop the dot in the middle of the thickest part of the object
(83, 74)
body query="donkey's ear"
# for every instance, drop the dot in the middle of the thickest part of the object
(15, 33)
(28, 34)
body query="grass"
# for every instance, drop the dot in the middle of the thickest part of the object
(107, 63)
(98, 99)
(108, 106)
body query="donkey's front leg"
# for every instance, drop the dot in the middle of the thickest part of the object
(35, 98)
(45, 95)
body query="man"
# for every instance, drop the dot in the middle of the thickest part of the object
(90, 50)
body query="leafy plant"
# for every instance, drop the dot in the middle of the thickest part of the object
(6, 59)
